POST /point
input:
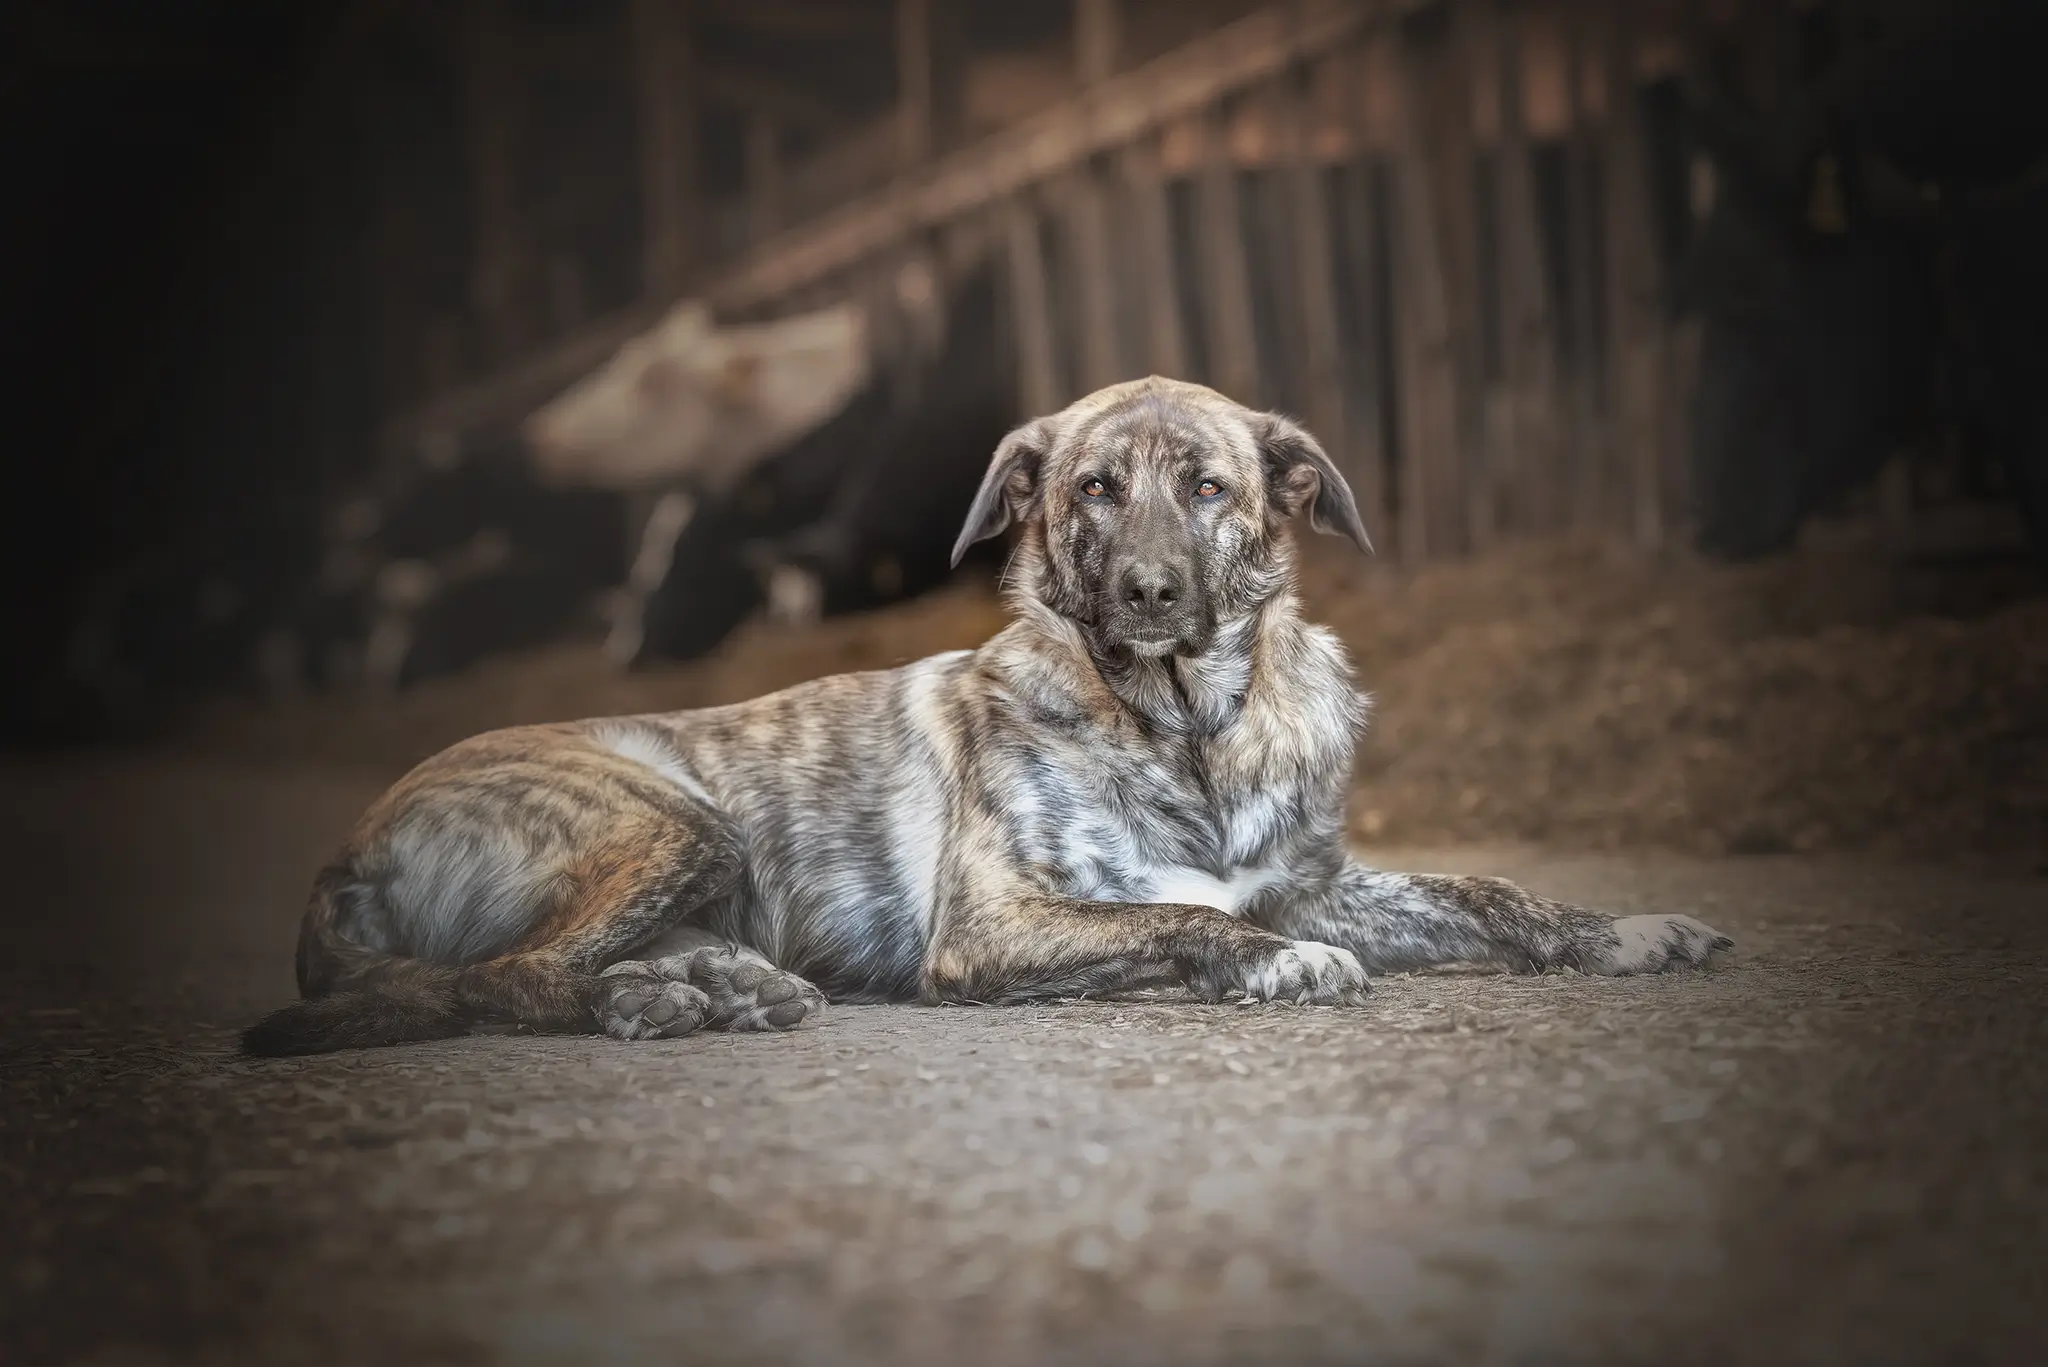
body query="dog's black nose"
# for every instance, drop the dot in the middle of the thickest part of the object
(1152, 589)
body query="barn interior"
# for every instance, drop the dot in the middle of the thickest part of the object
(394, 371)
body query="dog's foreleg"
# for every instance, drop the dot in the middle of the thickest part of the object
(1028, 945)
(1399, 921)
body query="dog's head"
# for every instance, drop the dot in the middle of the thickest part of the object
(1155, 510)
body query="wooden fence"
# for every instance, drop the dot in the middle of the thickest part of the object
(1428, 230)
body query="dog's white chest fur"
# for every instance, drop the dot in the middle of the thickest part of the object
(1203, 889)
(1159, 841)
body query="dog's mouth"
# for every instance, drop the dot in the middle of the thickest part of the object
(1154, 639)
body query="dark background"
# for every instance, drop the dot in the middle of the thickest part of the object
(248, 239)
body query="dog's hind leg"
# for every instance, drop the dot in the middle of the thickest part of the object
(742, 986)
(562, 974)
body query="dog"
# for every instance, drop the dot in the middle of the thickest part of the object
(1140, 781)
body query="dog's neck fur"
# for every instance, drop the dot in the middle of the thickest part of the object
(1065, 665)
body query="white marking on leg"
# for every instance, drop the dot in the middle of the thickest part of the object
(1324, 972)
(1198, 887)
(1649, 943)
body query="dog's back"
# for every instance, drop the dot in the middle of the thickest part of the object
(839, 789)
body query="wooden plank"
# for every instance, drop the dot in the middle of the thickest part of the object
(1314, 276)
(929, 71)
(1444, 56)
(1433, 192)
(664, 59)
(1030, 311)
(1590, 482)
(1092, 284)
(1226, 275)
(1368, 369)
(1145, 190)
(1430, 463)
(1637, 359)
(1118, 112)
(490, 118)
(1528, 329)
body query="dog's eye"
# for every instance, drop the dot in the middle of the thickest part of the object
(1208, 488)
(1093, 488)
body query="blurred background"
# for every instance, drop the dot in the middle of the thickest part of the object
(391, 371)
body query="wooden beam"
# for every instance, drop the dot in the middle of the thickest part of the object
(1227, 321)
(1030, 311)
(1369, 369)
(1637, 351)
(1441, 68)
(1096, 39)
(1314, 274)
(1431, 454)
(1587, 473)
(1092, 284)
(1117, 113)
(665, 57)
(929, 76)
(490, 119)
(1528, 326)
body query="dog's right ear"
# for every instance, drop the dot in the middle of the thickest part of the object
(1009, 491)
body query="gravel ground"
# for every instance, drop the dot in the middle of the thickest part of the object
(1829, 1149)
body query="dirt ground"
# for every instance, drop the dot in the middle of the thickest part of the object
(1829, 1149)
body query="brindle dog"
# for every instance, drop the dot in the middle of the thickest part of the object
(1141, 780)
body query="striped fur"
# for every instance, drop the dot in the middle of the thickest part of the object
(1117, 790)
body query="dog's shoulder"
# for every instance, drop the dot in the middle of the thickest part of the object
(1038, 670)
(1302, 711)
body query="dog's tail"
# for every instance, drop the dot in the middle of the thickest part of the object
(355, 997)
(358, 1018)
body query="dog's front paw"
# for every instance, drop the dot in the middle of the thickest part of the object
(1649, 944)
(1307, 974)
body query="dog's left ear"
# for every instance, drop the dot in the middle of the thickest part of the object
(1300, 476)
(1010, 488)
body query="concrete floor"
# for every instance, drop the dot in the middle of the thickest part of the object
(1830, 1150)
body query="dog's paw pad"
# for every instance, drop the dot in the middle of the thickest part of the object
(746, 991)
(638, 1003)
